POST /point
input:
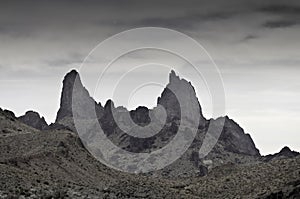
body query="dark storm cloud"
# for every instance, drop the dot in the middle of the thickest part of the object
(187, 21)
(282, 9)
(289, 15)
(280, 24)
(25, 19)
(170, 14)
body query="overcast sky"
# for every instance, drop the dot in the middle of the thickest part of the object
(254, 43)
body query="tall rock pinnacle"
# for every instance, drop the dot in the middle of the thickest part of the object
(185, 90)
(71, 80)
(65, 109)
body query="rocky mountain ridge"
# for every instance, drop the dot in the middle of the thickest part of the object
(34, 120)
(285, 152)
(50, 161)
(233, 146)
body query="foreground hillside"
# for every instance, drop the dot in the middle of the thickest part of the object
(54, 164)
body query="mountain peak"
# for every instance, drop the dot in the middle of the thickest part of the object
(73, 87)
(73, 71)
(178, 87)
(33, 119)
(173, 77)
(285, 150)
(71, 76)
(109, 104)
(66, 95)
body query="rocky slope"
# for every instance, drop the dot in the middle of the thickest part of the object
(55, 164)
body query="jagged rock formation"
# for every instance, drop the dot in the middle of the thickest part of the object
(285, 152)
(8, 114)
(65, 109)
(34, 164)
(140, 115)
(233, 145)
(65, 112)
(185, 91)
(34, 120)
(11, 126)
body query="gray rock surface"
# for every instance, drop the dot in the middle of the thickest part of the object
(184, 90)
(34, 120)
(236, 140)
(233, 145)
(285, 152)
(72, 87)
